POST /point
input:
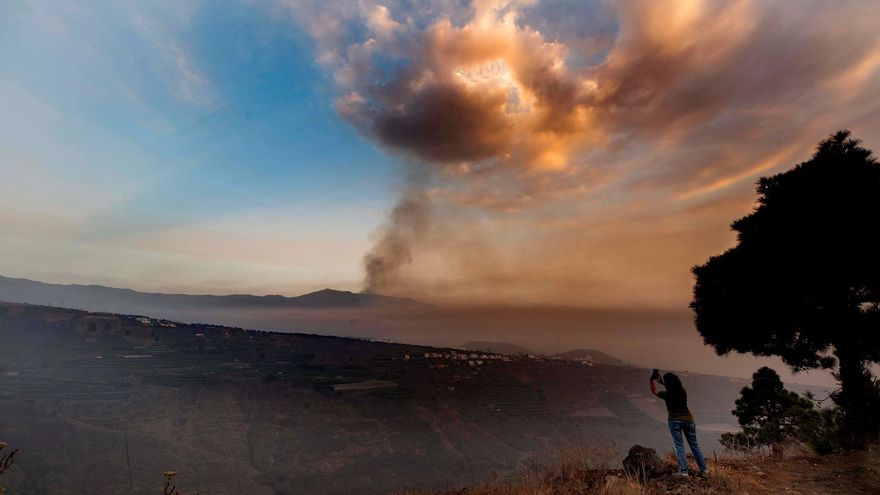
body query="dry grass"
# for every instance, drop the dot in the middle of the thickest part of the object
(578, 470)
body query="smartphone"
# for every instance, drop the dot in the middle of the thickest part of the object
(656, 374)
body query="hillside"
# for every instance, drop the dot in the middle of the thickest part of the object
(627, 335)
(101, 399)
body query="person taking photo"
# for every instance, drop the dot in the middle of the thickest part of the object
(681, 421)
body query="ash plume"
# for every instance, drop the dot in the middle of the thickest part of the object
(597, 149)
(407, 223)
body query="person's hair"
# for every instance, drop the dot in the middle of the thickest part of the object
(673, 385)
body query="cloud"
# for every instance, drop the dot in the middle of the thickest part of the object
(161, 24)
(523, 117)
(192, 85)
(489, 91)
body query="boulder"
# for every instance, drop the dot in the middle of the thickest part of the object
(644, 463)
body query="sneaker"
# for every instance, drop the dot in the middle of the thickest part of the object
(680, 475)
(703, 474)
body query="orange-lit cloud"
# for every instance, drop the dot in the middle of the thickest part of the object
(490, 91)
(587, 152)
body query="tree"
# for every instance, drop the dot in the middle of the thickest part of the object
(803, 281)
(768, 413)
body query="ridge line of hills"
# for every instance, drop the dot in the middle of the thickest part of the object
(23, 290)
(195, 308)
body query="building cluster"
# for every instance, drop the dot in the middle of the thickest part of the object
(586, 361)
(464, 356)
(152, 322)
(442, 360)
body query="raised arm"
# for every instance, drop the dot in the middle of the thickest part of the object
(653, 387)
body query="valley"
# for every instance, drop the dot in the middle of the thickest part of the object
(115, 400)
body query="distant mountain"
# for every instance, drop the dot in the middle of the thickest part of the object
(496, 347)
(98, 297)
(597, 357)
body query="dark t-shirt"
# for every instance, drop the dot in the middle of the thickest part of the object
(677, 406)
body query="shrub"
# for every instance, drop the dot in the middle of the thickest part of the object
(770, 415)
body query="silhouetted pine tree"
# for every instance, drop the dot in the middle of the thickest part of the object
(803, 282)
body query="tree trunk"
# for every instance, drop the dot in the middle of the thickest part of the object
(854, 397)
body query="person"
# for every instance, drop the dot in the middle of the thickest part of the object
(681, 421)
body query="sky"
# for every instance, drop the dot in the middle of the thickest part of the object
(556, 152)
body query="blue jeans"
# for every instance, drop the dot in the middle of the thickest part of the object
(689, 429)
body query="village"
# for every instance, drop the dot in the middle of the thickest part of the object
(461, 357)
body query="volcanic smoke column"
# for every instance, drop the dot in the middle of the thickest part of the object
(483, 105)
(406, 225)
(513, 105)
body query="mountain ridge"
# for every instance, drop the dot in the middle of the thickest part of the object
(22, 290)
